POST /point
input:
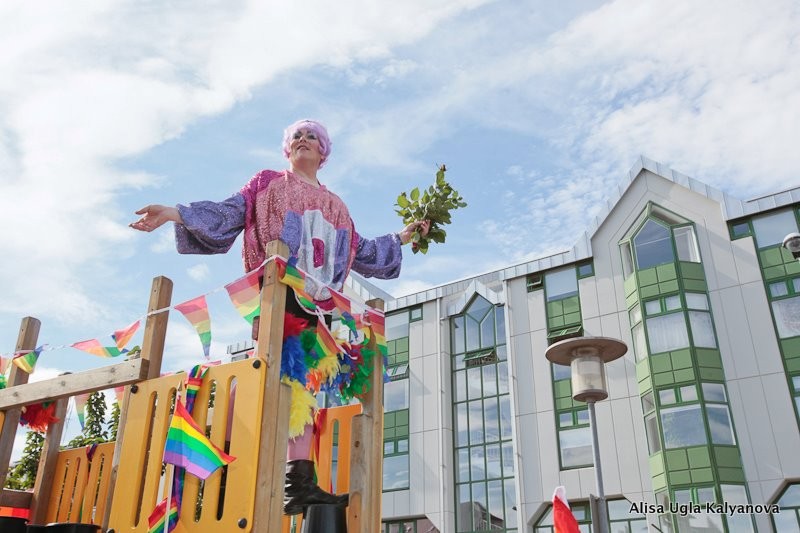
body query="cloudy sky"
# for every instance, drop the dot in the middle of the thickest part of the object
(537, 108)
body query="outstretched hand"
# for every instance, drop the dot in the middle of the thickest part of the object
(418, 225)
(155, 216)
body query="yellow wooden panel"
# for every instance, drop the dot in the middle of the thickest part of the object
(139, 472)
(343, 416)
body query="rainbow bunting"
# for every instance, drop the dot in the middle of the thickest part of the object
(325, 341)
(245, 295)
(123, 336)
(94, 347)
(196, 312)
(341, 301)
(188, 447)
(80, 408)
(27, 360)
(158, 517)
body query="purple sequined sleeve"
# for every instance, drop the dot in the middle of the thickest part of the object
(379, 258)
(210, 227)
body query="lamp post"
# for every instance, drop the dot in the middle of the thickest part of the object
(792, 243)
(587, 357)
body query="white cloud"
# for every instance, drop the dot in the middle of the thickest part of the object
(199, 272)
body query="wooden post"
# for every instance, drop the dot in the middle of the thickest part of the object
(155, 332)
(47, 463)
(366, 462)
(276, 398)
(26, 340)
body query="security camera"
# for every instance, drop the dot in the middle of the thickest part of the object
(792, 243)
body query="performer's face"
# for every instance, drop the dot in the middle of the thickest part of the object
(305, 146)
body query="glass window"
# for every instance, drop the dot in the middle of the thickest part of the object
(653, 438)
(565, 420)
(714, 392)
(672, 302)
(778, 289)
(576, 447)
(740, 229)
(796, 285)
(772, 228)
(686, 244)
(415, 313)
(789, 518)
(653, 307)
(737, 495)
(696, 300)
(395, 472)
(585, 270)
(653, 245)
(667, 396)
(561, 372)
(397, 325)
(636, 314)
(719, 422)
(667, 332)
(561, 284)
(702, 329)
(395, 395)
(787, 316)
(627, 259)
(683, 426)
(648, 402)
(688, 393)
(639, 342)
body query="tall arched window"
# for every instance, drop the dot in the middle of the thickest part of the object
(484, 457)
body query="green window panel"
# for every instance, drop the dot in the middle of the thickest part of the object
(676, 459)
(730, 475)
(692, 271)
(565, 333)
(657, 465)
(667, 272)
(701, 475)
(647, 277)
(698, 457)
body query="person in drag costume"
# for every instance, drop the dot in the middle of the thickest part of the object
(294, 207)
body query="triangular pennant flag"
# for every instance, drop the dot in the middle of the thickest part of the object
(563, 519)
(26, 361)
(3, 364)
(245, 294)
(188, 447)
(196, 312)
(94, 347)
(123, 336)
(80, 407)
(119, 392)
(341, 301)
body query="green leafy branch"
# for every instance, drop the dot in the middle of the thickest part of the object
(434, 204)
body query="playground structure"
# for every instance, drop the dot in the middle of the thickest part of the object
(124, 481)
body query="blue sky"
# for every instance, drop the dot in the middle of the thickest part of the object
(537, 108)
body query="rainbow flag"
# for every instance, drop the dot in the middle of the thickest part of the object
(188, 447)
(27, 361)
(94, 347)
(124, 335)
(80, 407)
(193, 382)
(158, 517)
(196, 312)
(290, 275)
(245, 294)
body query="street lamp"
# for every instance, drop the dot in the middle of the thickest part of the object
(792, 243)
(587, 357)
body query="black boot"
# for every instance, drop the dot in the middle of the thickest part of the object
(301, 491)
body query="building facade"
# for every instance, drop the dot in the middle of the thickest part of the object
(700, 429)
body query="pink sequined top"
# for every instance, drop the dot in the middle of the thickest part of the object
(313, 222)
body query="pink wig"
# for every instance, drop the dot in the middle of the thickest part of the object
(316, 127)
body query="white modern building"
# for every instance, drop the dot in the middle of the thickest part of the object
(480, 428)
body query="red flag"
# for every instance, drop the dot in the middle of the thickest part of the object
(563, 519)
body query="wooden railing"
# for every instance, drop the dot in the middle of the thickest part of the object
(119, 488)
